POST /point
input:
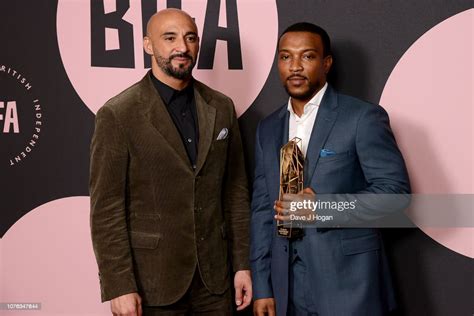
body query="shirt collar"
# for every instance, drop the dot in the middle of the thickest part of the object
(314, 102)
(167, 93)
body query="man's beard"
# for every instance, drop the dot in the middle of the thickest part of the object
(182, 72)
(304, 95)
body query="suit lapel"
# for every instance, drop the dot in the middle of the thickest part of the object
(279, 139)
(206, 121)
(284, 135)
(323, 124)
(160, 118)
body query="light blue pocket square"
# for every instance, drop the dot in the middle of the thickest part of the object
(326, 153)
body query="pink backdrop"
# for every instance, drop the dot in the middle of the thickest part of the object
(47, 255)
(429, 97)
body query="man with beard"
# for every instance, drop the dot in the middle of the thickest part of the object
(168, 187)
(349, 149)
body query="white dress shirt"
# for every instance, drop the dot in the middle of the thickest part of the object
(302, 127)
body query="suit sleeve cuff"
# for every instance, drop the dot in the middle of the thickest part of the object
(240, 266)
(259, 293)
(117, 287)
(261, 287)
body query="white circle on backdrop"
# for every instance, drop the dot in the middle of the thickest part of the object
(430, 100)
(258, 28)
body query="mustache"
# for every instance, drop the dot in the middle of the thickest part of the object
(296, 77)
(180, 55)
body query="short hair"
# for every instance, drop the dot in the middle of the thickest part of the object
(311, 28)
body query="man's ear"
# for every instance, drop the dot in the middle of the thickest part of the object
(147, 45)
(327, 63)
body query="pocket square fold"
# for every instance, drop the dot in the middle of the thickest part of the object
(223, 134)
(326, 153)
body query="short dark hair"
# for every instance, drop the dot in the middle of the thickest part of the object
(311, 28)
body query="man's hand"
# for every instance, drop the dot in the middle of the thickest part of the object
(127, 305)
(243, 289)
(282, 207)
(264, 307)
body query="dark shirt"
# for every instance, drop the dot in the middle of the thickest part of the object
(181, 106)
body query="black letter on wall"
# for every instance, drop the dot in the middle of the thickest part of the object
(213, 32)
(100, 57)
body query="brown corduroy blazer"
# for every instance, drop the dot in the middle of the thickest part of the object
(154, 218)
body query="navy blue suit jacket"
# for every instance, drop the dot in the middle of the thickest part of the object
(348, 272)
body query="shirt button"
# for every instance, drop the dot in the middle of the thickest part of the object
(202, 238)
(183, 114)
(190, 140)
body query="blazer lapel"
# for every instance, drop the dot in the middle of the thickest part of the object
(206, 121)
(161, 120)
(279, 139)
(323, 124)
(284, 135)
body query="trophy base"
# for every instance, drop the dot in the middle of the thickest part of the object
(290, 232)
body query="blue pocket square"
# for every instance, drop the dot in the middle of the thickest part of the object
(326, 153)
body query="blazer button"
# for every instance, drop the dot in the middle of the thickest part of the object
(202, 238)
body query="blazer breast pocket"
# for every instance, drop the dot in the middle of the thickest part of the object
(336, 164)
(338, 156)
(220, 144)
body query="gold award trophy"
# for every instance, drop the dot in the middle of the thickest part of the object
(291, 181)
